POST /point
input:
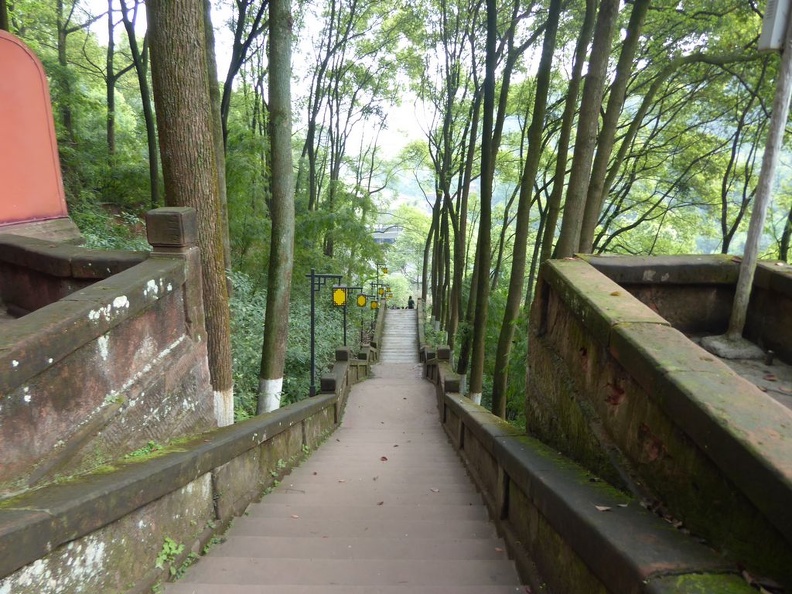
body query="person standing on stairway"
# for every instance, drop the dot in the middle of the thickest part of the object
(410, 303)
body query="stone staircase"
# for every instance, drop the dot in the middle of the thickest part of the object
(400, 337)
(383, 507)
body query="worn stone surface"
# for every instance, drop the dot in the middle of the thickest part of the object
(769, 320)
(596, 300)
(112, 558)
(711, 447)
(699, 584)
(383, 503)
(236, 483)
(671, 270)
(551, 513)
(172, 227)
(162, 387)
(36, 522)
(67, 409)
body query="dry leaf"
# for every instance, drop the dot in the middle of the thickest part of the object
(435, 490)
(396, 445)
(498, 550)
(380, 503)
(295, 516)
(315, 473)
(602, 508)
(622, 505)
(375, 478)
(341, 480)
(384, 459)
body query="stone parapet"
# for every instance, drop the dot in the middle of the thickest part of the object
(111, 356)
(615, 387)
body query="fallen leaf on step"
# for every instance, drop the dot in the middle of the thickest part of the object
(341, 480)
(770, 377)
(396, 445)
(602, 508)
(315, 473)
(375, 478)
(384, 459)
(622, 505)
(380, 503)
(498, 550)
(295, 516)
(435, 490)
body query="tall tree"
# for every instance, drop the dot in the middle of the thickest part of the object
(618, 90)
(180, 76)
(517, 278)
(65, 26)
(276, 324)
(483, 252)
(140, 59)
(248, 26)
(567, 119)
(585, 142)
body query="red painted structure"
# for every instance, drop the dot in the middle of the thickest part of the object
(32, 200)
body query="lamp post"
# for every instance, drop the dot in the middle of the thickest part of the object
(340, 299)
(318, 280)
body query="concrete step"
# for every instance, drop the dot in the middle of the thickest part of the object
(346, 474)
(396, 528)
(351, 572)
(343, 489)
(383, 507)
(357, 498)
(189, 588)
(360, 548)
(267, 509)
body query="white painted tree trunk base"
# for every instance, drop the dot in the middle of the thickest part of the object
(476, 397)
(270, 391)
(224, 407)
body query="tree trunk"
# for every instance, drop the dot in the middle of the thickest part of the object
(618, 90)
(460, 237)
(570, 105)
(217, 129)
(485, 218)
(140, 60)
(773, 147)
(517, 278)
(4, 15)
(64, 81)
(110, 86)
(276, 324)
(180, 76)
(783, 250)
(569, 237)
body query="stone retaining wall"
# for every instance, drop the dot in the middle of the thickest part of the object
(111, 356)
(615, 387)
(568, 531)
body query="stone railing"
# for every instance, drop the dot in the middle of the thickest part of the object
(614, 386)
(110, 355)
(111, 530)
(568, 531)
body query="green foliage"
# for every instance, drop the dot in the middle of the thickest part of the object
(248, 305)
(151, 446)
(103, 230)
(170, 550)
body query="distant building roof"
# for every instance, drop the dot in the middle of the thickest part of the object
(386, 233)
